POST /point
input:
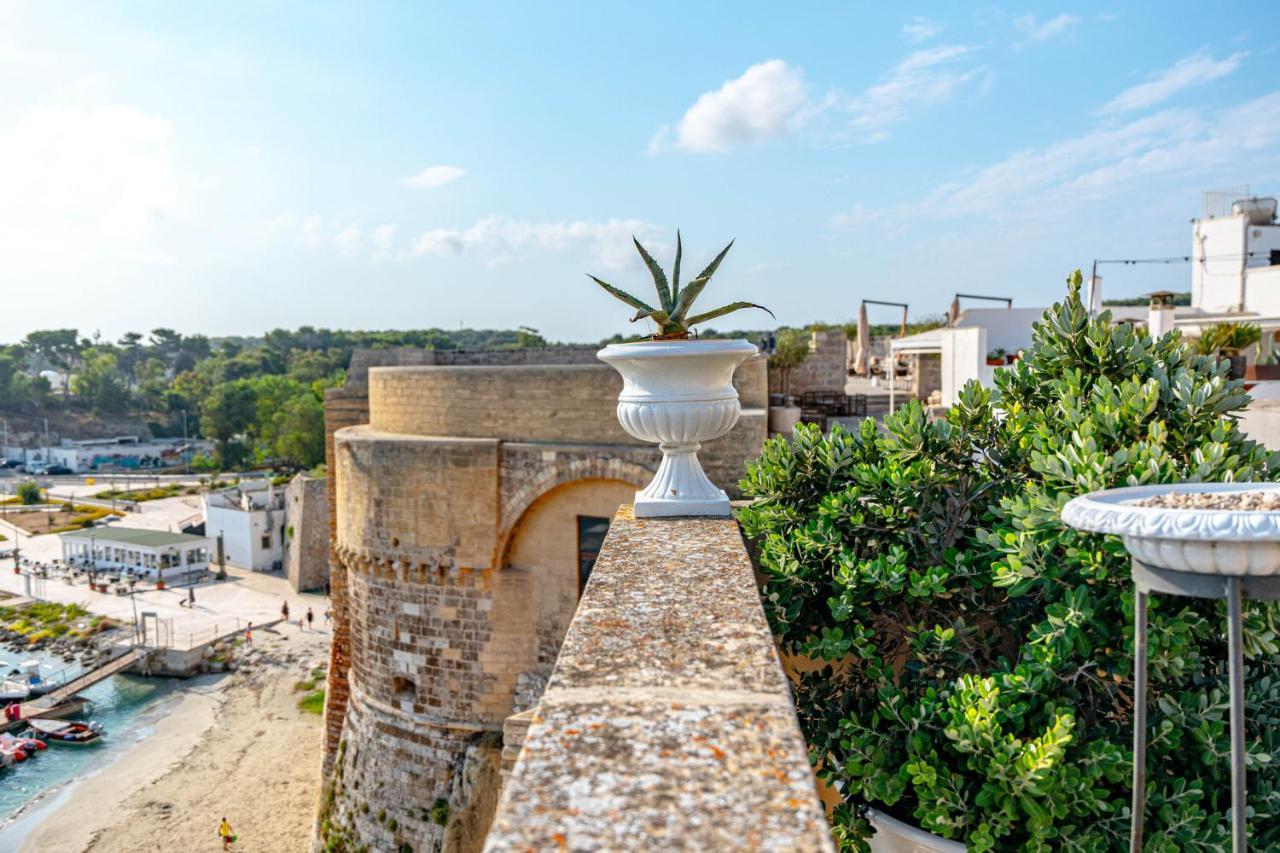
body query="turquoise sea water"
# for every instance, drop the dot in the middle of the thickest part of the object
(126, 705)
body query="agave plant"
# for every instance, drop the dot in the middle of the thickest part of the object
(672, 315)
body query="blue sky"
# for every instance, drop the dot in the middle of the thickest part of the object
(230, 168)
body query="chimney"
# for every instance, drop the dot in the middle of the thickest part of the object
(1093, 295)
(1160, 313)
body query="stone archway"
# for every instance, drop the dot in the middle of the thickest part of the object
(543, 554)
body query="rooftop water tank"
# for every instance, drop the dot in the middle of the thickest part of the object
(1259, 211)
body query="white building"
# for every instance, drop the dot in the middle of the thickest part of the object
(1235, 278)
(250, 520)
(126, 453)
(155, 554)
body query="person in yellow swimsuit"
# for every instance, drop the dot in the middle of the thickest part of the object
(224, 832)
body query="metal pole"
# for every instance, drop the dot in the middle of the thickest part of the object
(1235, 653)
(1139, 801)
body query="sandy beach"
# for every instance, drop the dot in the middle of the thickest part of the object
(234, 745)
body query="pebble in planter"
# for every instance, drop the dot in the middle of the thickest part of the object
(677, 392)
(1204, 540)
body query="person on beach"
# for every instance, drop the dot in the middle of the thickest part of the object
(224, 832)
(248, 635)
(310, 619)
(328, 615)
(284, 612)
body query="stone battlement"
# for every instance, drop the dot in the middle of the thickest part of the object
(667, 722)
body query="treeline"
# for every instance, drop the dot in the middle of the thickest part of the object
(261, 400)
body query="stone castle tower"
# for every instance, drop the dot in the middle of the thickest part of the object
(469, 495)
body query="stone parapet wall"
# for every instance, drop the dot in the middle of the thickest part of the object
(668, 722)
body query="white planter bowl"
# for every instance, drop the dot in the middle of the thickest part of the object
(678, 394)
(894, 836)
(1202, 541)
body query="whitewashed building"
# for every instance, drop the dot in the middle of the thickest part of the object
(153, 554)
(1235, 278)
(250, 519)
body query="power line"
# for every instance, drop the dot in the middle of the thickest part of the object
(1181, 259)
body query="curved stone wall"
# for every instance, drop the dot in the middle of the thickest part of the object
(455, 491)
(560, 403)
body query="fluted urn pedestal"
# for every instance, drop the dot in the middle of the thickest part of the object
(678, 394)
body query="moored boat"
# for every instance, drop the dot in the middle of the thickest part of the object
(66, 732)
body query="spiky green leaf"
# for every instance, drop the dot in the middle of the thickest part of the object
(638, 304)
(659, 277)
(675, 273)
(711, 267)
(726, 309)
(691, 292)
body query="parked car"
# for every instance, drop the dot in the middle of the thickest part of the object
(58, 469)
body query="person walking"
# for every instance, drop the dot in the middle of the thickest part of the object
(284, 612)
(225, 833)
(311, 617)
(328, 615)
(248, 634)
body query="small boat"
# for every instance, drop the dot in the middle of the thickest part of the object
(13, 691)
(12, 750)
(64, 732)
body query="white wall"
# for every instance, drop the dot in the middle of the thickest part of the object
(243, 534)
(1262, 290)
(964, 355)
(1006, 328)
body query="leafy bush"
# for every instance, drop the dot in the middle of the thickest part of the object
(975, 672)
(792, 351)
(29, 493)
(312, 703)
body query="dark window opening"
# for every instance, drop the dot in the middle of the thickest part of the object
(1275, 257)
(591, 532)
(403, 688)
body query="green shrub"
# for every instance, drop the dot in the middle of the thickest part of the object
(312, 703)
(440, 811)
(29, 493)
(976, 654)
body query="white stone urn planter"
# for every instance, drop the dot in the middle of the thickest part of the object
(678, 394)
(894, 836)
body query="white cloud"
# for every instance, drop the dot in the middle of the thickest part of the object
(1195, 70)
(1107, 165)
(920, 28)
(769, 100)
(924, 77)
(83, 181)
(434, 176)
(349, 240)
(498, 239)
(1040, 31)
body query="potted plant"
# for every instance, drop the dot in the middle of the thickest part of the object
(995, 358)
(677, 392)
(1226, 340)
(969, 657)
(791, 352)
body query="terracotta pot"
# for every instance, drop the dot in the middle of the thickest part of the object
(995, 362)
(1011, 358)
(159, 584)
(678, 394)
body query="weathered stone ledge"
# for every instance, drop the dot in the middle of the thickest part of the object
(668, 722)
